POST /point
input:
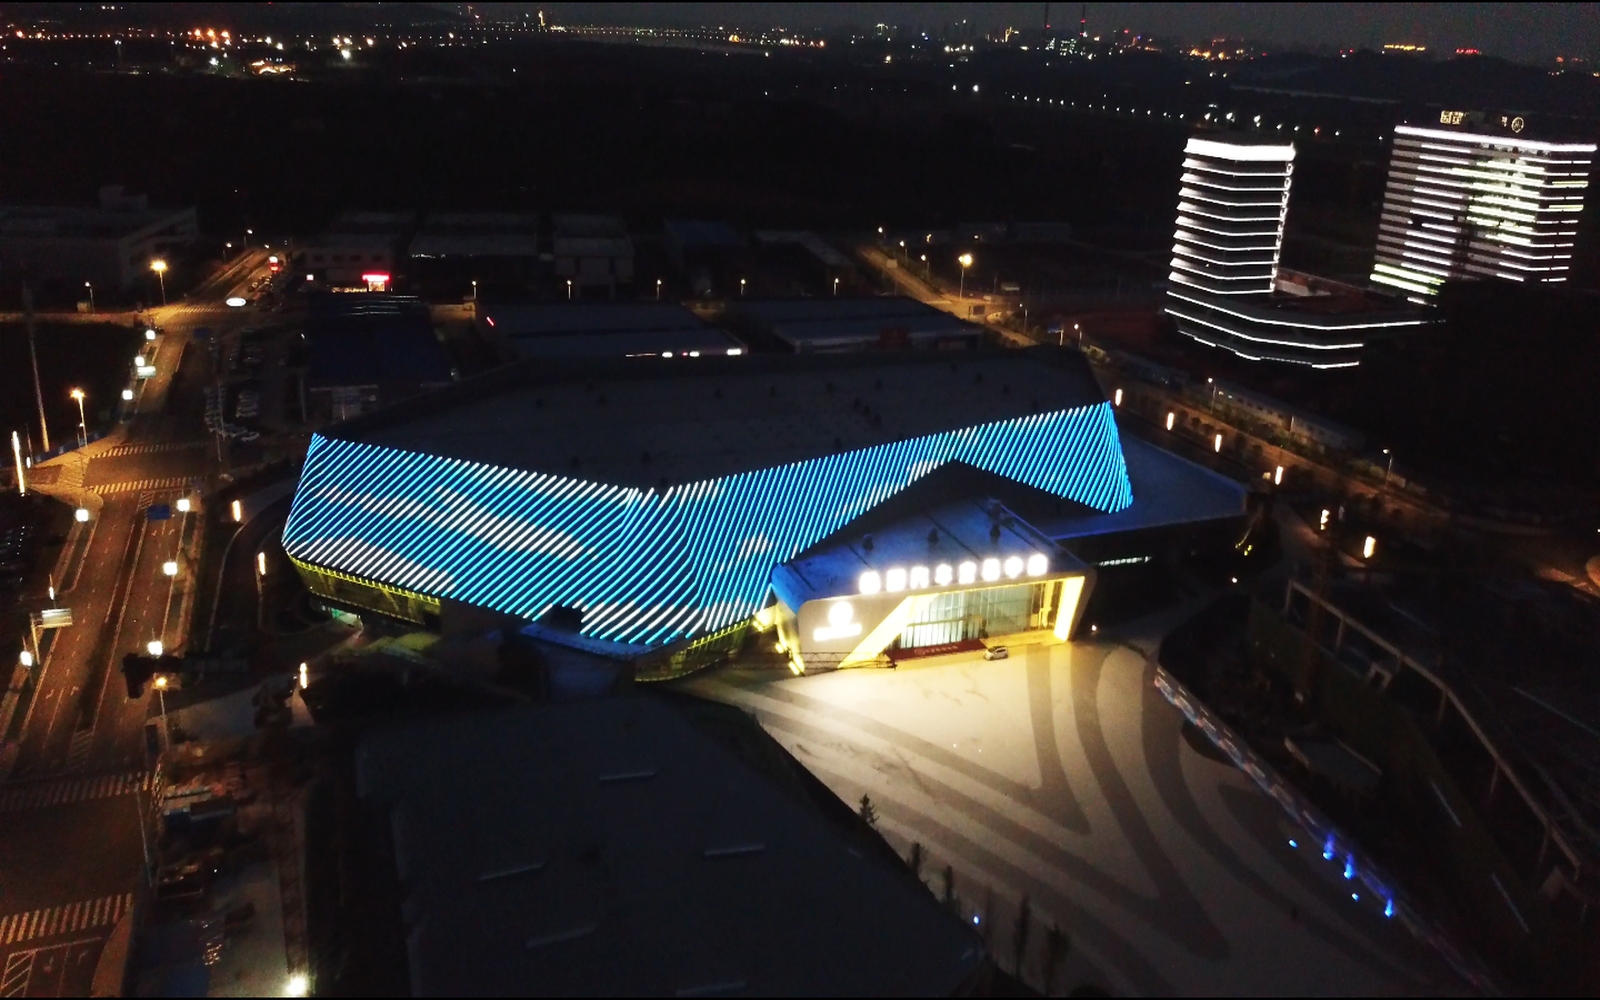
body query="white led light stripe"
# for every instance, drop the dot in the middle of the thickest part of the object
(1241, 152)
(1499, 141)
(1230, 331)
(1302, 324)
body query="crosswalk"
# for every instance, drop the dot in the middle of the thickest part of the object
(159, 485)
(78, 751)
(180, 312)
(46, 794)
(150, 448)
(68, 918)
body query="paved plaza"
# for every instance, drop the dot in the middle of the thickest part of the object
(1062, 775)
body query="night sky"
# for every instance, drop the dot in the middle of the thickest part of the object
(1529, 32)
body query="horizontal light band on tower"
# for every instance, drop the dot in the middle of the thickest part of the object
(1242, 152)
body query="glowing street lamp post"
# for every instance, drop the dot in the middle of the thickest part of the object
(16, 453)
(83, 423)
(90, 287)
(965, 260)
(160, 268)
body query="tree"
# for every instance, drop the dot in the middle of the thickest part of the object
(1056, 946)
(868, 814)
(1024, 926)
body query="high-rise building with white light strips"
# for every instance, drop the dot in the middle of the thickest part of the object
(1232, 205)
(1224, 288)
(1470, 197)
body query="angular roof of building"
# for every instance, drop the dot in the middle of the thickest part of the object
(477, 234)
(954, 532)
(69, 222)
(371, 339)
(819, 324)
(605, 329)
(648, 422)
(544, 319)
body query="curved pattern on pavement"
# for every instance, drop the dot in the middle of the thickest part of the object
(1063, 776)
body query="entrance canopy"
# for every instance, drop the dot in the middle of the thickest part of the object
(957, 572)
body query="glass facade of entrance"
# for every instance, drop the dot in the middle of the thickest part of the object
(977, 614)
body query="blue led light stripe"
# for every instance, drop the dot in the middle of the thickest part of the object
(648, 566)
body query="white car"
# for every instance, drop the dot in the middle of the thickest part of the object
(996, 653)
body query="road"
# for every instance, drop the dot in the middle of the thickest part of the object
(71, 848)
(925, 292)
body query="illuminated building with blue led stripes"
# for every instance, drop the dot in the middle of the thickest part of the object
(656, 503)
(650, 564)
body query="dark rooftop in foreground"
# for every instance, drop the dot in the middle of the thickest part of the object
(642, 421)
(613, 848)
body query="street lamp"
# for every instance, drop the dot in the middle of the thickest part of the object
(965, 260)
(474, 289)
(160, 268)
(16, 453)
(836, 286)
(658, 289)
(569, 289)
(155, 648)
(741, 288)
(90, 287)
(169, 568)
(1389, 469)
(160, 684)
(83, 423)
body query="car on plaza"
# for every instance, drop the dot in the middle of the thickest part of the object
(996, 653)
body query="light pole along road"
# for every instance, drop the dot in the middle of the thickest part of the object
(71, 849)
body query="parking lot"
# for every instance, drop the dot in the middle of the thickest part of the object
(1059, 776)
